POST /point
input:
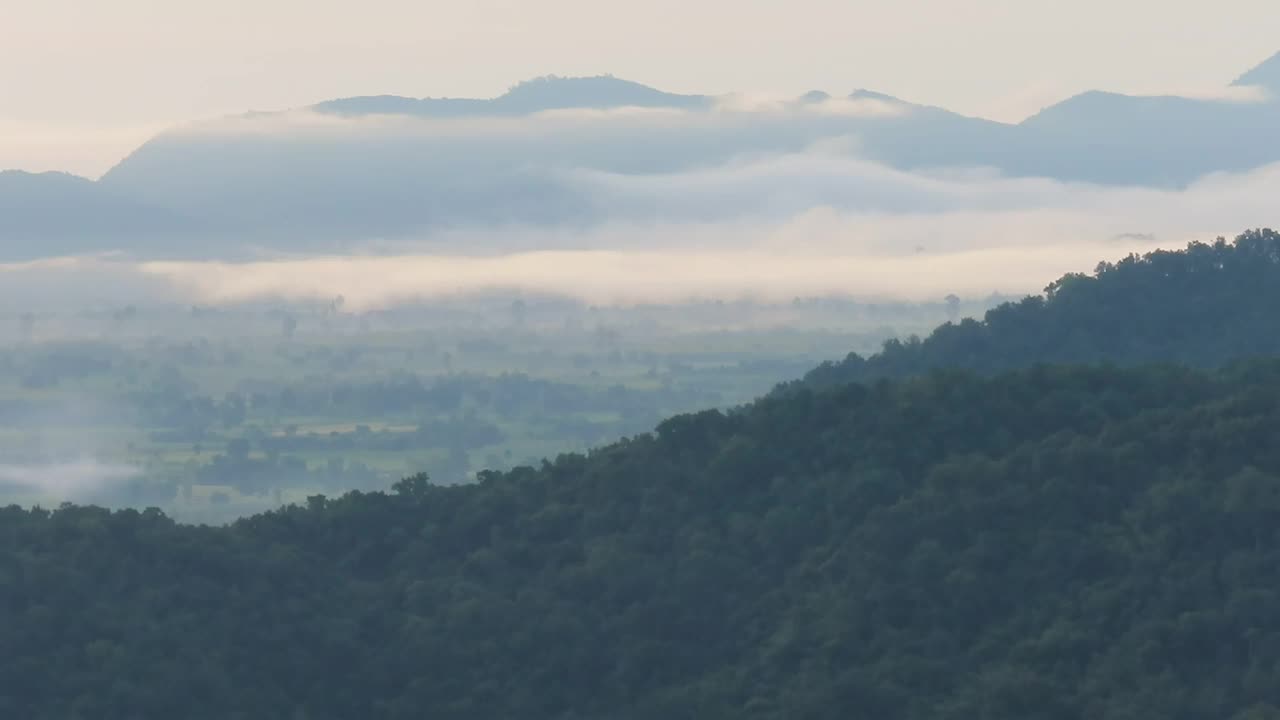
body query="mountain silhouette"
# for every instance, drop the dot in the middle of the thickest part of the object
(387, 167)
(1266, 75)
(53, 213)
(531, 96)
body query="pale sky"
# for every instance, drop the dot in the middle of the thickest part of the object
(83, 81)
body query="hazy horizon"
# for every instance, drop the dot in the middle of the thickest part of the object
(86, 84)
(574, 189)
(679, 358)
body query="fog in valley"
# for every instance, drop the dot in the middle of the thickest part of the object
(248, 310)
(823, 359)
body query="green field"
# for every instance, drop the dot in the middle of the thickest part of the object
(218, 413)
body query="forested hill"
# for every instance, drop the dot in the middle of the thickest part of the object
(1203, 306)
(1052, 543)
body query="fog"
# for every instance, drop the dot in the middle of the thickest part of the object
(181, 377)
(67, 480)
(755, 197)
(356, 176)
(724, 112)
(604, 164)
(771, 227)
(639, 277)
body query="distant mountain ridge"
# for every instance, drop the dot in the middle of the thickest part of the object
(531, 96)
(394, 181)
(1266, 75)
(303, 188)
(53, 213)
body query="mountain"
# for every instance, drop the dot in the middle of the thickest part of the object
(1203, 307)
(1055, 542)
(375, 176)
(1154, 140)
(532, 96)
(1265, 75)
(1052, 543)
(345, 173)
(1163, 141)
(50, 214)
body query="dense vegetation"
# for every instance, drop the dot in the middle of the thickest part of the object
(1056, 543)
(1001, 539)
(1204, 306)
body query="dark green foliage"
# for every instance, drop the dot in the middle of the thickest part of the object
(1203, 306)
(1089, 543)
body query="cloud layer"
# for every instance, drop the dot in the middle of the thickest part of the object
(755, 198)
(818, 222)
(777, 227)
(65, 480)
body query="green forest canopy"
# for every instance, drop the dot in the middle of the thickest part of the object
(1055, 542)
(1202, 306)
(1049, 543)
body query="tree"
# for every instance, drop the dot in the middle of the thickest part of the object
(414, 486)
(1197, 307)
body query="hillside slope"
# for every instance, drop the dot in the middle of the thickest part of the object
(1202, 306)
(1053, 543)
(1266, 75)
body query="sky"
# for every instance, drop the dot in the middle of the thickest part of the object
(83, 82)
